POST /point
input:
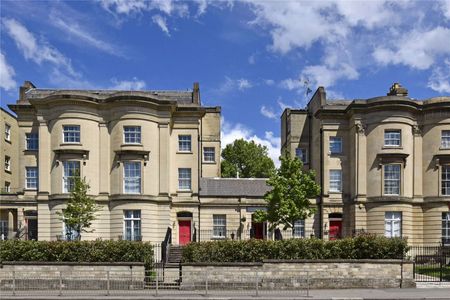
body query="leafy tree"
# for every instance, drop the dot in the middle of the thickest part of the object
(250, 159)
(288, 200)
(80, 210)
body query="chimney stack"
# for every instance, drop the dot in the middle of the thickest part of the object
(196, 93)
(24, 88)
(397, 90)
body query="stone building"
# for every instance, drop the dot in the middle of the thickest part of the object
(383, 164)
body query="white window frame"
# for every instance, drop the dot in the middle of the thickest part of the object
(134, 219)
(446, 227)
(302, 154)
(132, 183)
(7, 187)
(219, 226)
(31, 183)
(445, 180)
(209, 154)
(335, 183)
(132, 135)
(445, 139)
(32, 139)
(299, 229)
(184, 181)
(73, 236)
(7, 132)
(335, 140)
(393, 224)
(391, 139)
(7, 163)
(184, 143)
(3, 229)
(69, 165)
(386, 180)
(73, 134)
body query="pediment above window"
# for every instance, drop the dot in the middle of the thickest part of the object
(62, 153)
(390, 158)
(132, 153)
(441, 159)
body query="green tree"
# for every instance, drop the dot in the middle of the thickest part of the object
(288, 200)
(80, 210)
(250, 159)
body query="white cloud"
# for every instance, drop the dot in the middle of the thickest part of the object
(291, 84)
(124, 6)
(440, 78)
(268, 113)
(38, 52)
(232, 132)
(7, 73)
(252, 59)
(230, 85)
(162, 23)
(129, 85)
(445, 6)
(243, 84)
(418, 49)
(323, 75)
(269, 82)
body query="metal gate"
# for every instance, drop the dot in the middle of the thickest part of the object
(431, 263)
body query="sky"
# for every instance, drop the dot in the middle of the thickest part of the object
(252, 58)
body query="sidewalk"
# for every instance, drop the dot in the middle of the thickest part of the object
(351, 294)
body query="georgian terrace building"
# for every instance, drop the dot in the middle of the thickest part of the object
(383, 164)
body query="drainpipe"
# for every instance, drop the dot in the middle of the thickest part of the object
(200, 173)
(321, 186)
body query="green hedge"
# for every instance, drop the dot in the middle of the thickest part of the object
(76, 251)
(360, 247)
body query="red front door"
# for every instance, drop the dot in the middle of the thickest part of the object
(259, 230)
(335, 230)
(184, 232)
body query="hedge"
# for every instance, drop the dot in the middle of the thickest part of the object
(77, 251)
(360, 247)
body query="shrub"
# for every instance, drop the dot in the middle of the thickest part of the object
(77, 251)
(360, 247)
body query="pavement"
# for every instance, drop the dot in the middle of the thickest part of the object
(347, 294)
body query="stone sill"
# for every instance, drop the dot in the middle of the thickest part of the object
(70, 263)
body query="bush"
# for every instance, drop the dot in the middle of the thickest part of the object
(360, 247)
(77, 251)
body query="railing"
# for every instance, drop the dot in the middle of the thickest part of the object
(431, 263)
(165, 245)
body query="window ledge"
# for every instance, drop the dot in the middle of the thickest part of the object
(391, 147)
(71, 144)
(31, 150)
(30, 189)
(209, 162)
(8, 171)
(8, 141)
(131, 145)
(184, 152)
(335, 192)
(444, 149)
(184, 191)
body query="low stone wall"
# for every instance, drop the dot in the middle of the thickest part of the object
(70, 275)
(298, 274)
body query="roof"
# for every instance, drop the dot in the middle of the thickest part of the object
(245, 187)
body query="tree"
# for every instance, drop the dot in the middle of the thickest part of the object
(288, 200)
(80, 210)
(251, 160)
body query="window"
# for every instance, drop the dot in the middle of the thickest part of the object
(393, 224)
(71, 171)
(335, 181)
(31, 179)
(219, 226)
(132, 134)
(302, 154)
(7, 187)
(3, 229)
(392, 138)
(335, 145)
(132, 225)
(32, 141)
(446, 228)
(71, 133)
(392, 179)
(7, 163)
(132, 177)
(184, 143)
(69, 233)
(445, 139)
(445, 180)
(209, 154)
(8, 132)
(184, 179)
(299, 229)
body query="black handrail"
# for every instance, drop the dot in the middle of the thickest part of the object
(165, 245)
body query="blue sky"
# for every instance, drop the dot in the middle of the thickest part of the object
(250, 57)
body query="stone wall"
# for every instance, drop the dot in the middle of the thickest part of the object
(292, 274)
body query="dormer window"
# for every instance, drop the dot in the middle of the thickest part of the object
(132, 134)
(71, 133)
(392, 138)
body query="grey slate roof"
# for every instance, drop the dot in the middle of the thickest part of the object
(246, 187)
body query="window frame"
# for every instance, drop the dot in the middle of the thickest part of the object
(213, 154)
(74, 233)
(330, 180)
(77, 139)
(304, 157)
(182, 144)
(180, 179)
(219, 227)
(390, 139)
(27, 178)
(67, 178)
(445, 227)
(7, 187)
(299, 224)
(445, 137)
(135, 135)
(392, 221)
(131, 179)
(7, 132)
(34, 140)
(133, 219)
(332, 140)
(7, 163)
(445, 183)
(385, 179)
